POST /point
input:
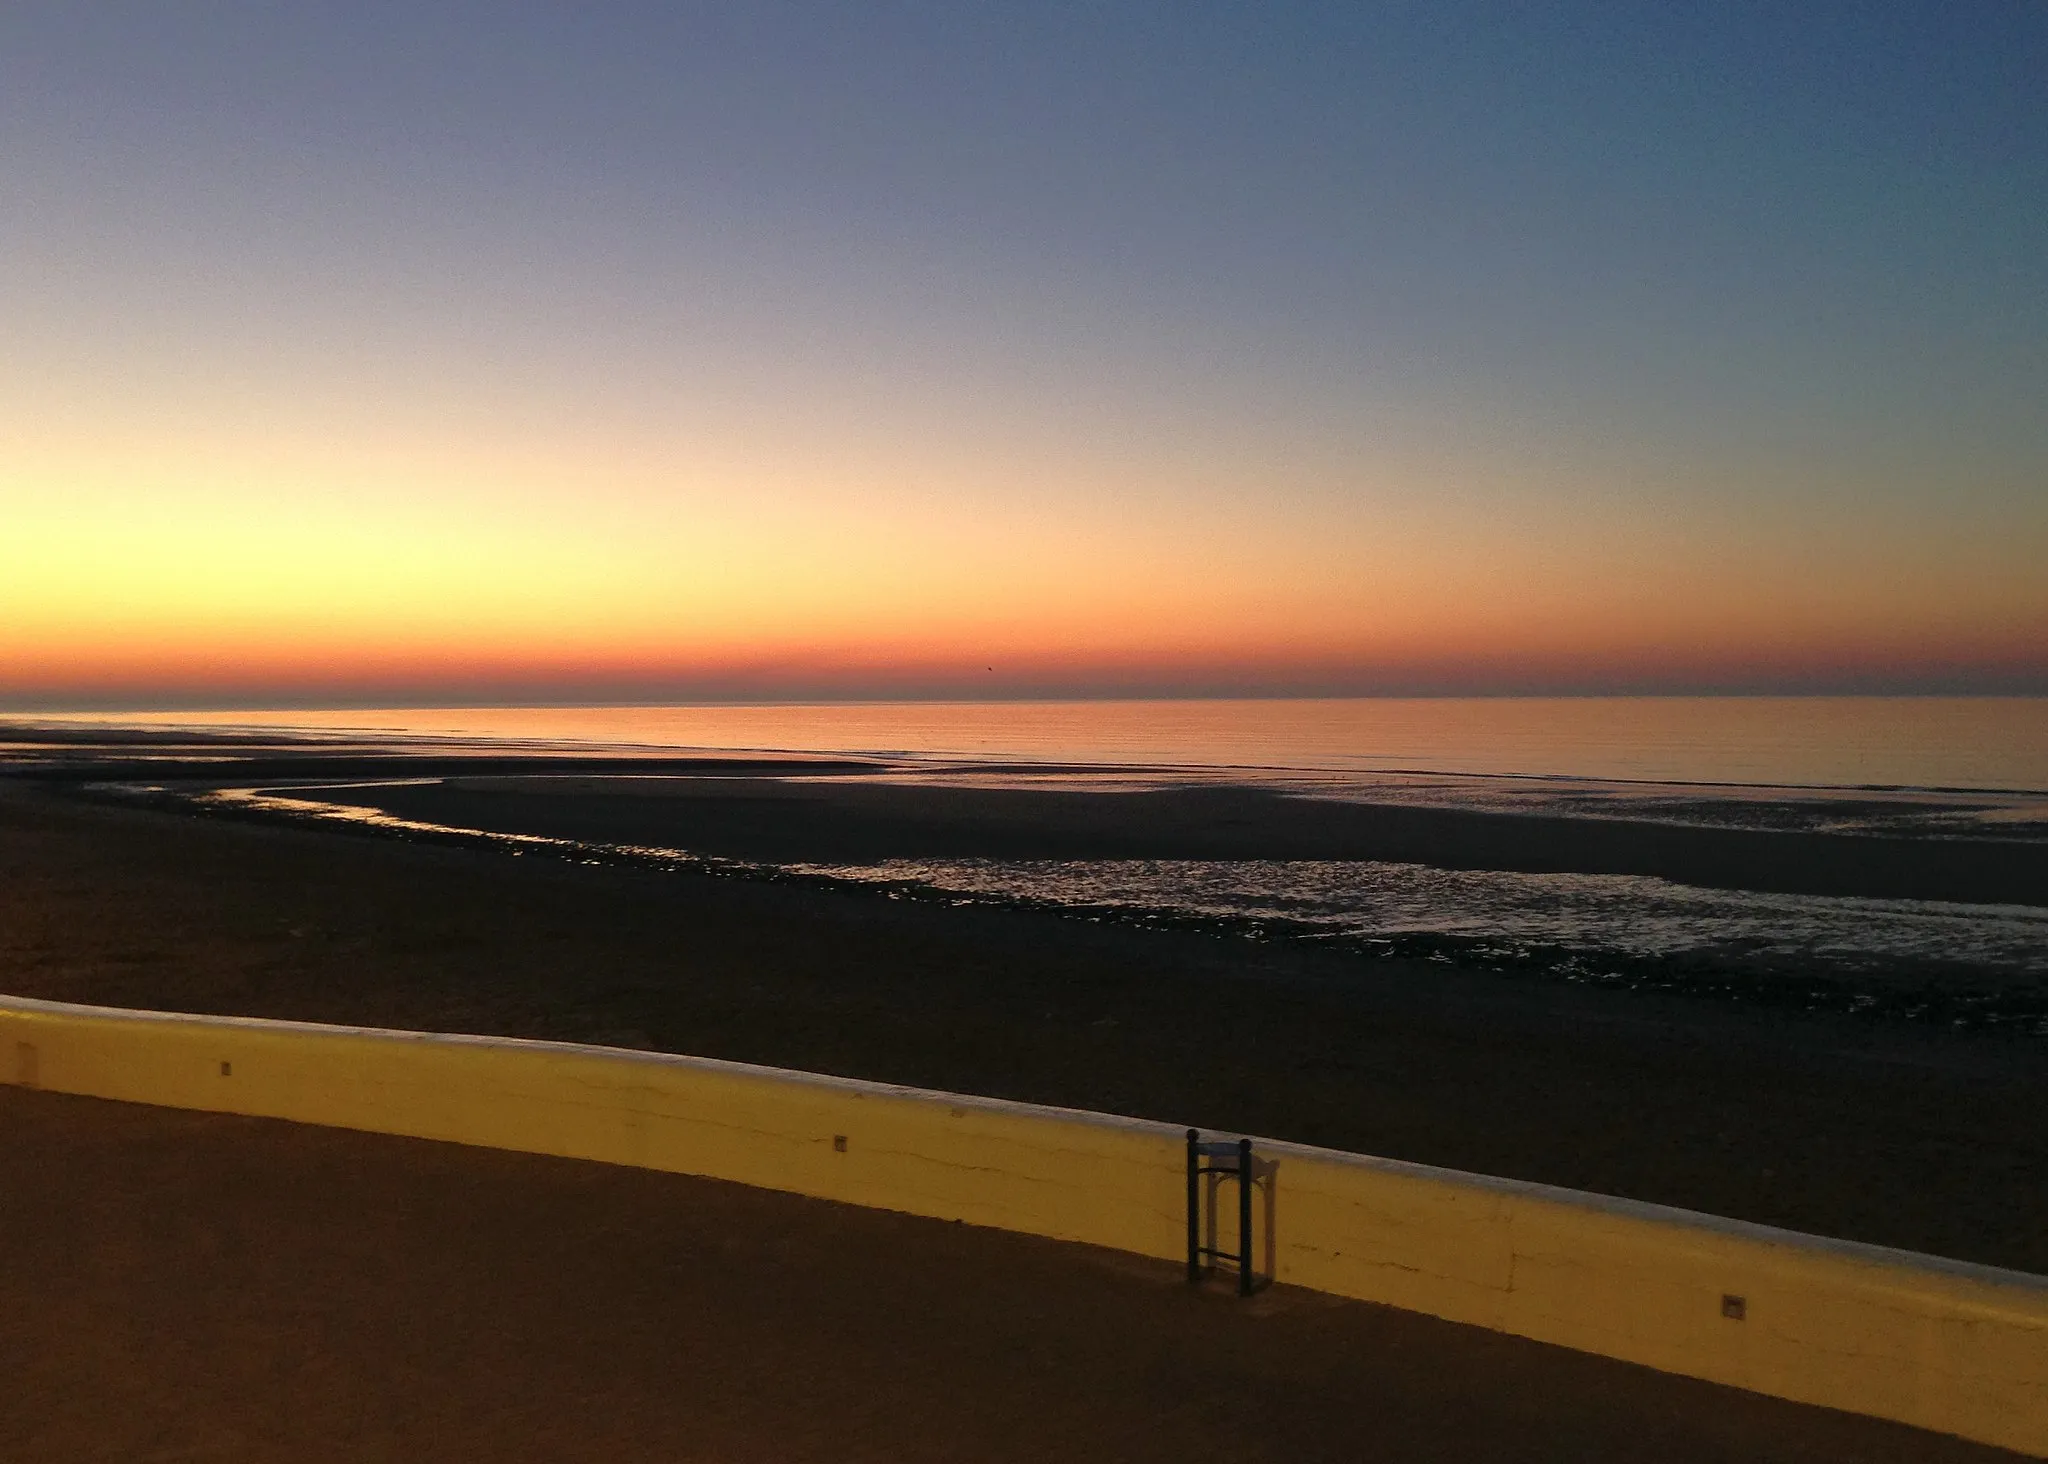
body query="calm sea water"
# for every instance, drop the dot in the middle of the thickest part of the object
(1922, 767)
(1955, 964)
(1996, 743)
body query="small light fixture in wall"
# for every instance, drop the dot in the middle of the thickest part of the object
(839, 1143)
(227, 1070)
(1735, 1308)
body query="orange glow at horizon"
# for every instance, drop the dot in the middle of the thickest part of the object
(650, 355)
(235, 565)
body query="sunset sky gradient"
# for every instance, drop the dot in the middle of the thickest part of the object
(361, 353)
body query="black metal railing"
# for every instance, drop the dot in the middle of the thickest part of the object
(1222, 1158)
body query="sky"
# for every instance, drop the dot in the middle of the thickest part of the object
(365, 354)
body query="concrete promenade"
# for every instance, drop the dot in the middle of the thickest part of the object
(188, 1286)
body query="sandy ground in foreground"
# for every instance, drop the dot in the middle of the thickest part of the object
(199, 1287)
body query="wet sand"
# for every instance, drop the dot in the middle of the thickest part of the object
(849, 821)
(198, 1286)
(1910, 1137)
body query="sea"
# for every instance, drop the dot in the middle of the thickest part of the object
(1931, 768)
(1931, 744)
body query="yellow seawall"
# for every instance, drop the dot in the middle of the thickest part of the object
(1956, 1348)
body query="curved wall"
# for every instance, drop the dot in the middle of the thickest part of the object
(1956, 1348)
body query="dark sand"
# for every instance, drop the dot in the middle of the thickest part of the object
(848, 821)
(185, 1286)
(1909, 1137)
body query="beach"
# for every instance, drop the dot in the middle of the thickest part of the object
(1894, 1133)
(827, 819)
(1431, 619)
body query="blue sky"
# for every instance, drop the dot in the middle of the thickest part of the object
(1280, 300)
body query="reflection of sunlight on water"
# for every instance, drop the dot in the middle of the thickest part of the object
(273, 802)
(1632, 914)
(1909, 813)
(1843, 742)
(1871, 954)
(1840, 765)
(270, 801)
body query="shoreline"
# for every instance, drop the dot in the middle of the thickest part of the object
(1954, 995)
(850, 821)
(828, 808)
(1913, 1138)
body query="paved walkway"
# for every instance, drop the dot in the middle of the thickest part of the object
(189, 1287)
